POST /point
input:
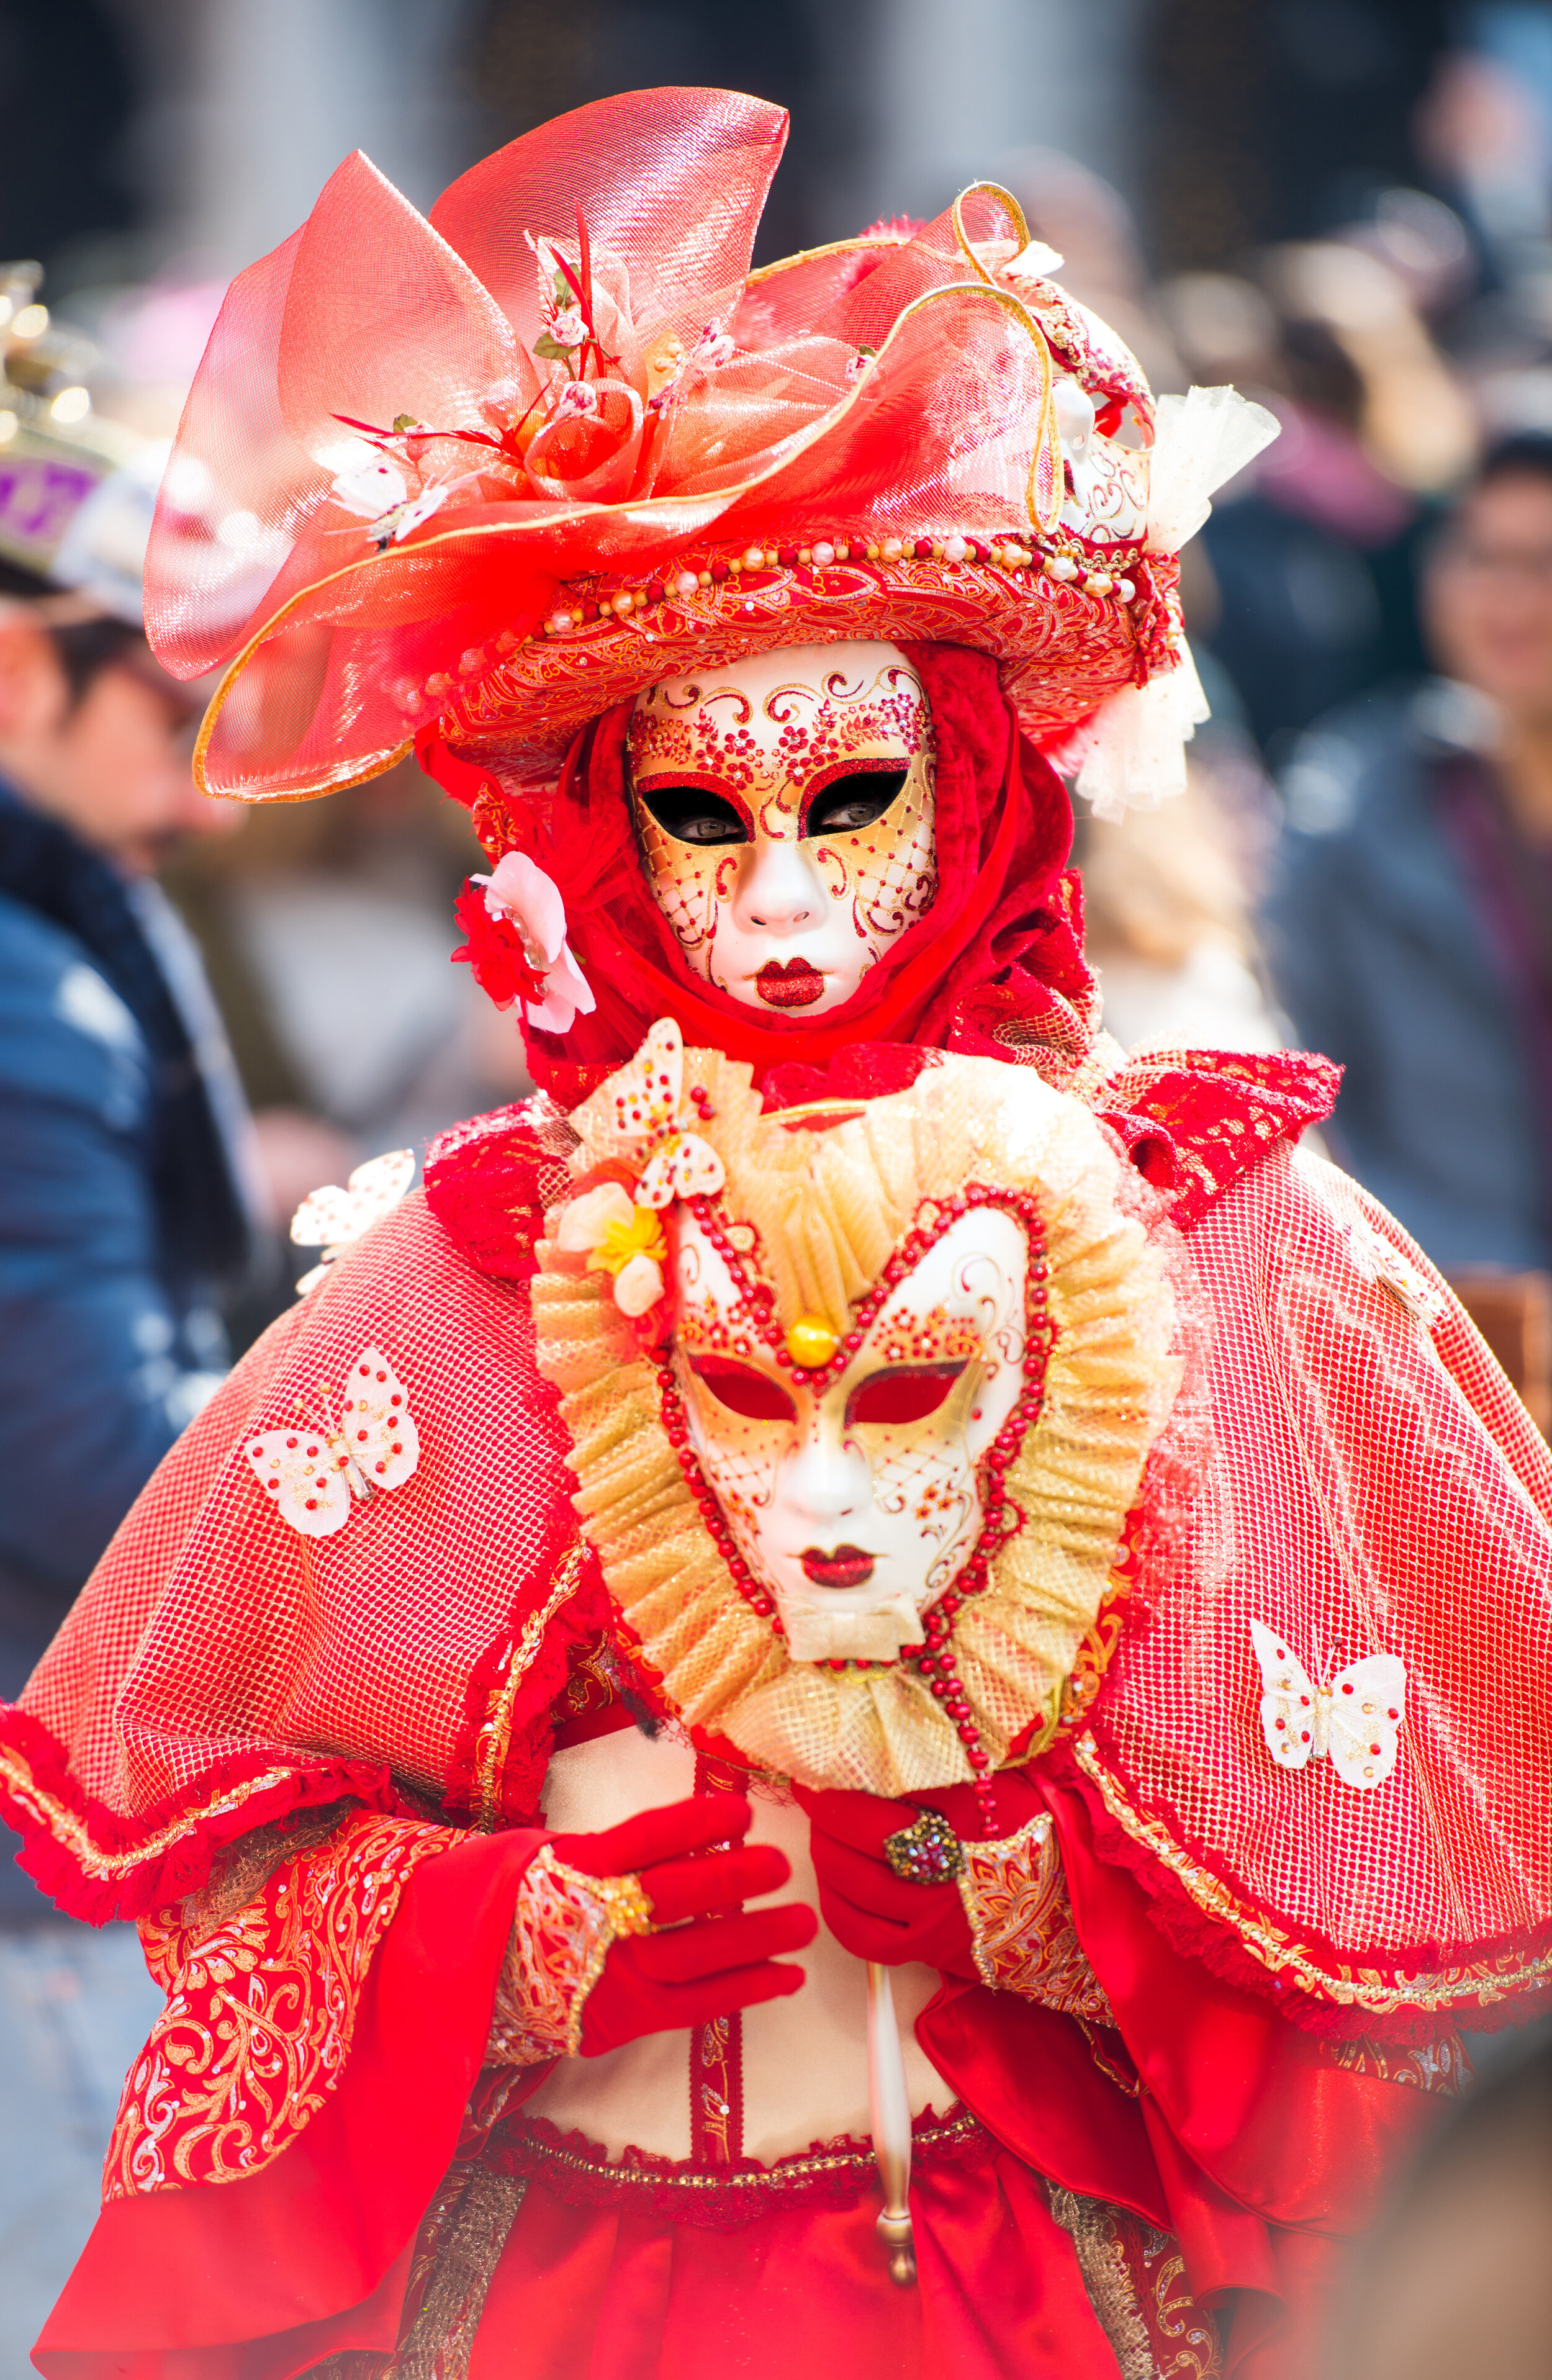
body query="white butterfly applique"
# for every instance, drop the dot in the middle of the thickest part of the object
(314, 1471)
(1388, 1267)
(1354, 1721)
(332, 1218)
(642, 1121)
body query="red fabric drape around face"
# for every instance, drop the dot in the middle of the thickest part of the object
(1006, 919)
(259, 2279)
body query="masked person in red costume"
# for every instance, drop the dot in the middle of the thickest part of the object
(866, 1616)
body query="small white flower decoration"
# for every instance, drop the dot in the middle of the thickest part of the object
(531, 901)
(370, 490)
(617, 1236)
(1036, 263)
(713, 348)
(1075, 422)
(579, 398)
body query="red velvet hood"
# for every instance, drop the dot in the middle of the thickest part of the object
(995, 967)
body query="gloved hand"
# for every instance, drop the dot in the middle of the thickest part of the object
(875, 1913)
(705, 1965)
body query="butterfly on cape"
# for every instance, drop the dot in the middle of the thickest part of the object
(332, 1218)
(1390, 1268)
(641, 1122)
(315, 1472)
(1355, 1719)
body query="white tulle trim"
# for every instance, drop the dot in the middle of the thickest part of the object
(1201, 440)
(1136, 750)
(1133, 750)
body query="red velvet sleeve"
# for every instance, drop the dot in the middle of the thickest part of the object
(259, 2274)
(1262, 2106)
(1261, 2148)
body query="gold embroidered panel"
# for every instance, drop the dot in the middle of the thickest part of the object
(261, 2010)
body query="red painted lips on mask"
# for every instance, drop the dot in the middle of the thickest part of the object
(794, 984)
(847, 1566)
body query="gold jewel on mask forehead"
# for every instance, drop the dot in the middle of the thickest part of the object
(772, 765)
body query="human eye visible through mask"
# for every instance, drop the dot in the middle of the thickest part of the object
(854, 802)
(690, 814)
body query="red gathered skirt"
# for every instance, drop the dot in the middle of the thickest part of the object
(605, 2277)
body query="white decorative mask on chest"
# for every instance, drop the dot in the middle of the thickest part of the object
(853, 1494)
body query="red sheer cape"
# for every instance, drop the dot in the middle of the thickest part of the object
(219, 1668)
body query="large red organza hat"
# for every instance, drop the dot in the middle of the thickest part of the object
(475, 479)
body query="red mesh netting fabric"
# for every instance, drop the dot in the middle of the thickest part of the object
(1355, 1501)
(1001, 946)
(219, 1667)
(1362, 1481)
(899, 390)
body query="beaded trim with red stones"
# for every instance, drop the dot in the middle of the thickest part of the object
(1002, 1519)
(1060, 561)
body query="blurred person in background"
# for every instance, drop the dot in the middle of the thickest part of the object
(126, 1201)
(121, 1215)
(1457, 2279)
(129, 1188)
(1410, 921)
(1304, 587)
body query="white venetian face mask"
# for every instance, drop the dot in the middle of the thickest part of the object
(785, 810)
(857, 1499)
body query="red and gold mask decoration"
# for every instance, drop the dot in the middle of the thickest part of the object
(858, 1471)
(785, 810)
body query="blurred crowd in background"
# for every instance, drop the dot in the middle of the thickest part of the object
(1342, 206)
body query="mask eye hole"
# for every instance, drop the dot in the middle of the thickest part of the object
(743, 1388)
(901, 1392)
(692, 814)
(848, 804)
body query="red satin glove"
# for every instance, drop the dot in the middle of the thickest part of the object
(704, 1965)
(875, 1913)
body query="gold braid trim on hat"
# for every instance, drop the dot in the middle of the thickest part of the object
(828, 1207)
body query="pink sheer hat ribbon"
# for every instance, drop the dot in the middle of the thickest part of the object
(487, 474)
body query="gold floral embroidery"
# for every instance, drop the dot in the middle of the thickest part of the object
(1021, 1922)
(1443, 2066)
(560, 1932)
(1178, 2322)
(489, 1756)
(245, 1867)
(456, 2251)
(1135, 2279)
(1091, 2226)
(260, 2012)
(73, 1832)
